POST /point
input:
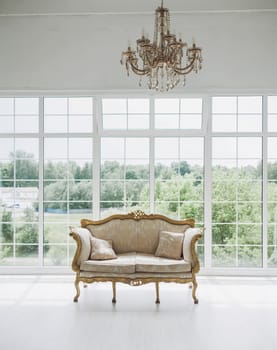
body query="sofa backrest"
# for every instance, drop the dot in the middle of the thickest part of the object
(136, 231)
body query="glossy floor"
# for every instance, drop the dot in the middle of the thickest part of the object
(37, 313)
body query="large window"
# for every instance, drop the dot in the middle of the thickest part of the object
(210, 158)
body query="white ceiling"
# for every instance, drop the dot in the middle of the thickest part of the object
(25, 7)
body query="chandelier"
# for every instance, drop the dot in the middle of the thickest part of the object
(167, 60)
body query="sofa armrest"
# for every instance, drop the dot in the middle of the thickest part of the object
(192, 235)
(82, 253)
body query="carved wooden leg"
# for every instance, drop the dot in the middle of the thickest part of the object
(77, 289)
(114, 292)
(194, 287)
(157, 293)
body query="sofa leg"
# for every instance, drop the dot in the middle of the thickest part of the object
(114, 292)
(77, 290)
(194, 287)
(157, 293)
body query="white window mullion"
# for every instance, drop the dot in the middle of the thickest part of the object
(207, 115)
(264, 182)
(152, 160)
(41, 184)
(97, 130)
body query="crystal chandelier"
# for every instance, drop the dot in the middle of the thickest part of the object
(167, 60)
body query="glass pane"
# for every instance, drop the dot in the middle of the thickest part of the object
(114, 105)
(250, 104)
(190, 121)
(224, 212)
(55, 233)
(80, 105)
(6, 106)
(55, 123)
(166, 148)
(167, 121)
(56, 105)
(191, 147)
(6, 148)
(224, 105)
(110, 208)
(249, 147)
(223, 256)
(138, 105)
(224, 190)
(80, 148)
(271, 104)
(26, 255)
(250, 256)
(272, 147)
(26, 233)
(250, 234)
(55, 191)
(115, 122)
(111, 191)
(250, 123)
(223, 233)
(272, 122)
(6, 124)
(26, 124)
(80, 191)
(224, 147)
(112, 148)
(55, 255)
(26, 148)
(191, 105)
(55, 148)
(80, 123)
(26, 106)
(138, 121)
(224, 123)
(167, 105)
(137, 148)
(112, 170)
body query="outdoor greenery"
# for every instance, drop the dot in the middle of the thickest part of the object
(236, 202)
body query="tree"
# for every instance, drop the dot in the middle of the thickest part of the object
(27, 234)
(7, 227)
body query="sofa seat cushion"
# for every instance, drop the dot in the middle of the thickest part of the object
(151, 263)
(125, 263)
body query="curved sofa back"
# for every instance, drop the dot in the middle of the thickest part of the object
(135, 232)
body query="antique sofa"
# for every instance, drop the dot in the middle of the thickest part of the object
(139, 243)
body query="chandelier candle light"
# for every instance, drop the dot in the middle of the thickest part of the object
(163, 58)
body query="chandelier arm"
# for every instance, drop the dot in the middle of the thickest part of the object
(185, 70)
(137, 70)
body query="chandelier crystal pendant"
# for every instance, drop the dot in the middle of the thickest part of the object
(167, 60)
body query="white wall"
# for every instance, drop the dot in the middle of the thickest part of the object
(82, 51)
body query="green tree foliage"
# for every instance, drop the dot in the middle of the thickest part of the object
(27, 234)
(6, 227)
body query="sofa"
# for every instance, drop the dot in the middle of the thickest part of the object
(136, 248)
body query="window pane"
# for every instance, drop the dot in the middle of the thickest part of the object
(272, 104)
(166, 148)
(55, 105)
(26, 124)
(27, 106)
(115, 122)
(114, 106)
(191, 105)
(138, 105)
(190, 121)
(224, 105)
(250, 104)
(55, 123)
(224, 147)
(80, 105)
(225, 123)
(55, 148)
(250, 123)
(167, 121)
(167, 105)
(6, 124)
(138, 121)
(112, 148)
(6, 106)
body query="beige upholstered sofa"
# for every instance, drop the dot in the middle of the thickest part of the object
(137, 239)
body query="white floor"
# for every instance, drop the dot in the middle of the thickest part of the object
(37, 313)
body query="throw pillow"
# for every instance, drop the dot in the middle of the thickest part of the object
(170, 245)
(101, 249)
